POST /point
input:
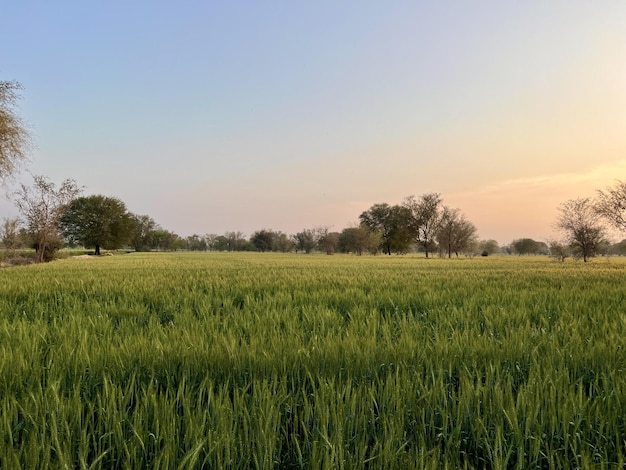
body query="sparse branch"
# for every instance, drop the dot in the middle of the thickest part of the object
(15, 139)
(611, 205)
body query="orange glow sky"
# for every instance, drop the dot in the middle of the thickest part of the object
(245, 116)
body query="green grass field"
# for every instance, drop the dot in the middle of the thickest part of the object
(230, 360)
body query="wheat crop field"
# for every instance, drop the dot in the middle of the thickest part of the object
(252, 360)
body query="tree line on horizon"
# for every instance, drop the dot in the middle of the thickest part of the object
(55, 216)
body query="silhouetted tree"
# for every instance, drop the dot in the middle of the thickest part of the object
(425, 218)
(611, 205)
(455, 232)
(582, 227)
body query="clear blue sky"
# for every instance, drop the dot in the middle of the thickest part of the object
(216, 116)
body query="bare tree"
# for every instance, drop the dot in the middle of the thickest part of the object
(41, 206)
(15, 141)
(582, 226)
(611, 205)
(455, 233)
(425, 218)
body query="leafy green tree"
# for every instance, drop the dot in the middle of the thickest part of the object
(164, 240)
(143, 228)
(195, 243)
(15, 141)
(392, 222)
(525, 246)
(306, 240)
(327, 241)
(283, 243)
(97, 221)
(263, 240)
(358, 239)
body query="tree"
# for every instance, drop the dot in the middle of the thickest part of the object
(283, 242)
(236, 241)
(488, 247)
(263, 240)
(210, 239)
(143, 228)
(393, 223)
(611, 205)
(41, 206)
(425, 218)
(525, 246)
(327, 240)
(164, 240)
(455, 232)
(15, 139)
(558, 250)
(306, 240)
(618, 248)
(10, 235)
(582, 227)
(97, 221)
(358, 239)
(195, 243)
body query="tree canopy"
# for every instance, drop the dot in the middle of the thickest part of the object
(97, 222)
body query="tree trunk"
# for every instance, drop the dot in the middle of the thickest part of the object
(97, 250)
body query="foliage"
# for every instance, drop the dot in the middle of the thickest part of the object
(263, 240)
(490, 247)
(164, 240)
(41, 206)
(327, 240)
(559, 250)
(10, 235)
(97, 221)
(528, 246)
(15, 140)
(225, 360)
(306, 240)
(582, 227)
(426, 215)
(393, 223)
(143, 230)
(358, 239)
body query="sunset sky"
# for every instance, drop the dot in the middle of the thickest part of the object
(215, 116)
